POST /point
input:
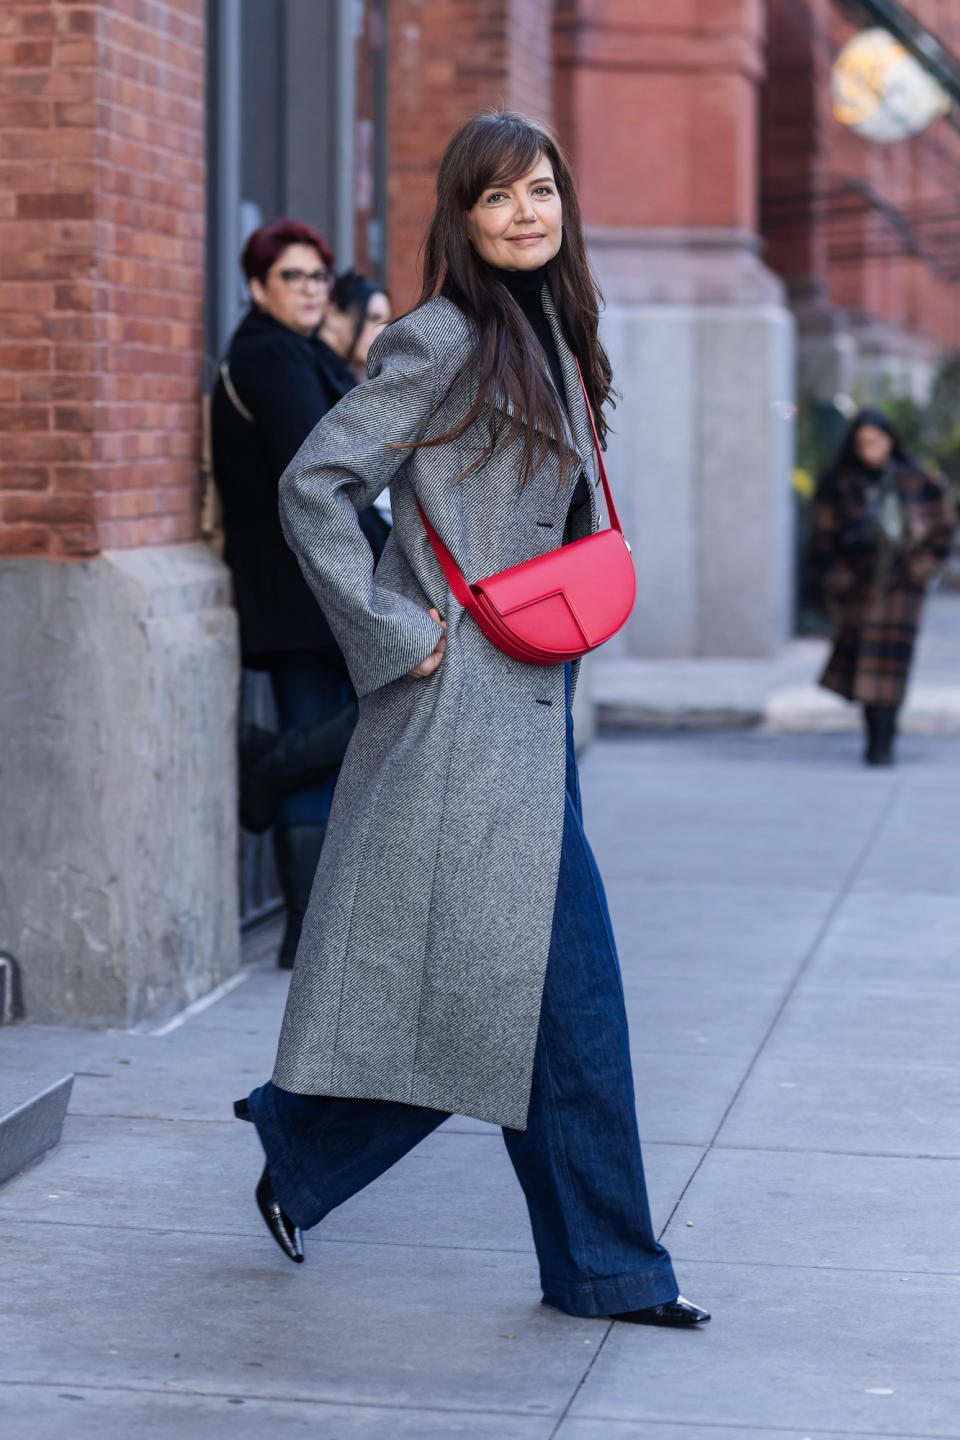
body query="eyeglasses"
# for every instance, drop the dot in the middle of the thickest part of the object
(300, 279)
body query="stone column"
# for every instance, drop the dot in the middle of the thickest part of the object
(118, 655)
(658, 106)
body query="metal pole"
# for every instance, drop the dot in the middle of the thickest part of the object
(349, 14)
(382, 147)
(228, 162)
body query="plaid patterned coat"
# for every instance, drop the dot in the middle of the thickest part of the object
(420, 969)
(878, 614)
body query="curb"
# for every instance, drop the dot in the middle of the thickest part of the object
(796, 709)
(31, 1119)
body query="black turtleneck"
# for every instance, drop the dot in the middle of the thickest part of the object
(526, 287)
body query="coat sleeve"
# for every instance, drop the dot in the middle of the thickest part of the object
(341, 469)
(945, 519)
(926, 557)
(824, 569)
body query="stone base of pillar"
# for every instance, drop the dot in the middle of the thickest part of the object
(118, 846)
(702, 347)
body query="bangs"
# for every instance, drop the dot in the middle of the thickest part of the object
(504, 149)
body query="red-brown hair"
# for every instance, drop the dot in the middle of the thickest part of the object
(267, 244)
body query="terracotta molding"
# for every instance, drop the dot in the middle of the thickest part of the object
(686, 237)
(622, 48)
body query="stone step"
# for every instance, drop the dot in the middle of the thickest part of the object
(32, 1108)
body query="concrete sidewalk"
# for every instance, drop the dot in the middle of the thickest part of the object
(789, 927)
(780, 694)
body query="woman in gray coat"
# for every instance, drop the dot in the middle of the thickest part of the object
(457, 954)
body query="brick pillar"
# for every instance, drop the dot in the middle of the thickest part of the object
(658, 106)
(119, 667)
(450, 59)
(101, 275)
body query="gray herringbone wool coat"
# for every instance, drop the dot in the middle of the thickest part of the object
(421, 965)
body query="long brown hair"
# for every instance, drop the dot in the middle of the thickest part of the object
(497, 149)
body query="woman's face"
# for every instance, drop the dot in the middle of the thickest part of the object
(378, 315)
(296, 289)
(519, 226)
(339, 327)
(873, 446)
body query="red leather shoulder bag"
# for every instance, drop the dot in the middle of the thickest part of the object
(558, 606)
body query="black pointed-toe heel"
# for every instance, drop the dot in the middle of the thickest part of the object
(281, 1227)
(678, 1314)
(241, 1109)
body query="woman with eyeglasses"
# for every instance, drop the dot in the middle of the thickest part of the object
(276, 382)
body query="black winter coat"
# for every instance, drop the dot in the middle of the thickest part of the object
(287, 382)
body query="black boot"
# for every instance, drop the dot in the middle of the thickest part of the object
(676, 1314)
(870, 730)
(299, 757)
(281, 1227)
(297, 848)
(881, 732)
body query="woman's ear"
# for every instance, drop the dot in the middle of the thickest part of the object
(257, 293)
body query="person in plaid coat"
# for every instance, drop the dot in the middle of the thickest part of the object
(881, 528)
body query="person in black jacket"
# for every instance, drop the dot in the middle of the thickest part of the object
(277, 381)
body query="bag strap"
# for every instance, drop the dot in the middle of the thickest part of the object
(460, 589)
(232, 395)
(454, 575)
(608, 493)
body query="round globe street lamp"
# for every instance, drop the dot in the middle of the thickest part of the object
(882, 92)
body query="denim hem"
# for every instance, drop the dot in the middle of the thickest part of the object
(298, 1202)
(614, 1294)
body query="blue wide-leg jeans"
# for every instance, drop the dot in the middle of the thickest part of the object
(578, 1160)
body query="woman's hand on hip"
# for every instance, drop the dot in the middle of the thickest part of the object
(432, 662)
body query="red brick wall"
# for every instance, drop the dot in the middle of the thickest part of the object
(101, 273)
(448, 60)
